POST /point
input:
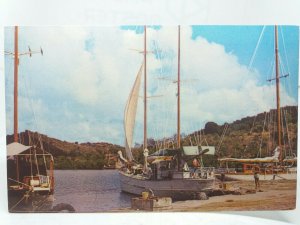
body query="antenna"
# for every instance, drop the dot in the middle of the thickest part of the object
(143, 51)
(29, 52)
(16, 55)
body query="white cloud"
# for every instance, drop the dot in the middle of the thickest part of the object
(215, 87)
(80, 91)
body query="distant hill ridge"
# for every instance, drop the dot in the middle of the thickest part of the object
(71, 155)
(242, 139)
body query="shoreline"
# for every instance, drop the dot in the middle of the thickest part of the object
(273, 195)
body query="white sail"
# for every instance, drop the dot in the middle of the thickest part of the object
(130, 114)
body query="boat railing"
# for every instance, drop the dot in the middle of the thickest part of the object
(204, 172)
(266, 170)
(37, 181)
(228, 170)
(44, 180)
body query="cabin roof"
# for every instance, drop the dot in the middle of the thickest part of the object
(16, 148)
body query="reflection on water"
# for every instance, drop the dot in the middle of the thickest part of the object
(90, 190)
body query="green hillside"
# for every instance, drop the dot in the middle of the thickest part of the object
(243, 138)
(69, 155)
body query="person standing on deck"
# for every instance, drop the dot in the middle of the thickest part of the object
(256, 179)
(222, 177)
(196, 165)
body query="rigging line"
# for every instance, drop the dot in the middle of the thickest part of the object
(166, 122)
(155, 131)
(21, 138)
(198, 139)
(30, 103)
(35, 121)
(274, 126)
(36, 161)
(273, 112)
(31, 167)
(270, 72)
(256, 48)
(284, 48)
(200, 136)
(196, 136)
(288, 136)
(287, 87)
(205, 138)
(259, 152)
(286, 59)
(283, 133)
(253, 124)
(191, 143)
(159, 84)
(222, 137)
(192, 133)
(159, 57)
(282, 68)
(171, 119)
(270, 129)
(8, 82)
(190, 139)
(272, 134)
(14, 206)
(152, 130)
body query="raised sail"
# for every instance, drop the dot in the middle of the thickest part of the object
(130, 113)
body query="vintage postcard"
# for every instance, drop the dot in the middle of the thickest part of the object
(151, 118)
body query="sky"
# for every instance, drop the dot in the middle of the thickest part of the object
(77, 91)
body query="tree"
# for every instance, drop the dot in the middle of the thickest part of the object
(211, 128)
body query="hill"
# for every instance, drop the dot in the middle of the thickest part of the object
(248, 137)
(69, 155)
(251, 137)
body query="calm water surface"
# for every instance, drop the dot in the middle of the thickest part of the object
(90, 190)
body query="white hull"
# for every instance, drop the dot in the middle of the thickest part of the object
(175, 188)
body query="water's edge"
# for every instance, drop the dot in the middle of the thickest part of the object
(90, 190)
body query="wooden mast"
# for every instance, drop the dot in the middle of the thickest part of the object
(16, 64)
(178, 91)
(145, 90)
(278, 94)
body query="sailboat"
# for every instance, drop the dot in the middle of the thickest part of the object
(275, 164)
(30, 169)
(166, 176)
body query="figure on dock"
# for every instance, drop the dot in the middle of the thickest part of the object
(196, 165)
(256, 179)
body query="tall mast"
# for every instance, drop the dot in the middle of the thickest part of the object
(178, 91)
(277, 94)
(145, 89)
(16, 63)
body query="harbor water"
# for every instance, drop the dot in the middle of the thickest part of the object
(90, 190)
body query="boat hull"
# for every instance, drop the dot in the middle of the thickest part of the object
(175, 188)
(20, 201)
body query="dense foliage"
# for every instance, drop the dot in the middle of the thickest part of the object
(249, 137)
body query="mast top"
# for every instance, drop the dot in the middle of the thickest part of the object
(178, 92)
(16, 54)
(279, 129)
